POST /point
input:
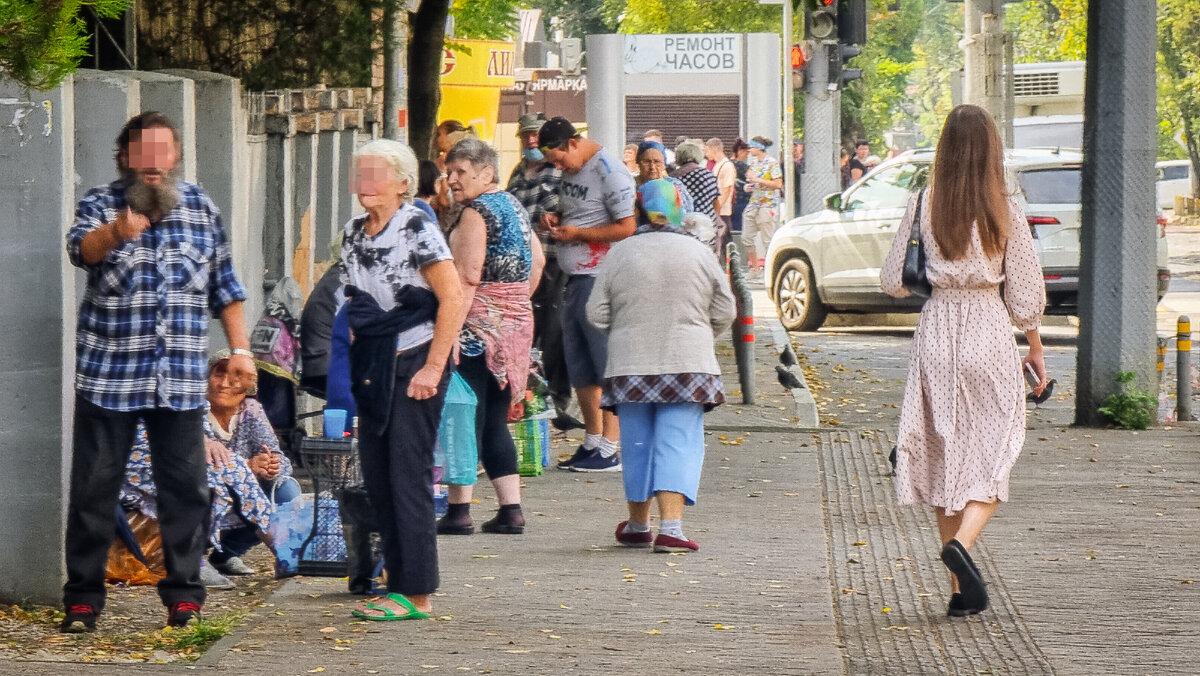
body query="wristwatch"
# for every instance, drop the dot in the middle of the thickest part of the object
(238, 350)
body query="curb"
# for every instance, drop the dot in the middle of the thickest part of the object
(806, 406)
(220, 648)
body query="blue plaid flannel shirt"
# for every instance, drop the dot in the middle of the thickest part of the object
(142, 336)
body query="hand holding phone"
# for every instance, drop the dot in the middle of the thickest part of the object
(1031, 376)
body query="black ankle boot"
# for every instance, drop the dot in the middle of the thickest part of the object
(457, 520)
(508, 521)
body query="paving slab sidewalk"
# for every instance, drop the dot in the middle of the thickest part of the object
(564, 598)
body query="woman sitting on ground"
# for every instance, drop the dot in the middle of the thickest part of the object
(661, 296)
(245, 469)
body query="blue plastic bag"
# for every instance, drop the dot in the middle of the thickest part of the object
(291, 524)
(456, 434)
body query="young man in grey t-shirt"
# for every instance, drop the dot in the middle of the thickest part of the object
(596, 208)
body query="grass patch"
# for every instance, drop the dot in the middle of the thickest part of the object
(199, 636)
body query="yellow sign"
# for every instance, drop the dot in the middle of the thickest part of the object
(471, 83)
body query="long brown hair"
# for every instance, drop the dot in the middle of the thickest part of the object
(968, 184)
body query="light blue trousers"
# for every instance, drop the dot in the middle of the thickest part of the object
(662, 449)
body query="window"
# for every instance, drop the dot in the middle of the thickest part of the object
(1173, 173)
(890, 188)
(1051, 186)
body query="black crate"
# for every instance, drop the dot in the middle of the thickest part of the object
(331, 464)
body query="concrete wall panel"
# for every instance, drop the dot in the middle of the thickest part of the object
(37, 194)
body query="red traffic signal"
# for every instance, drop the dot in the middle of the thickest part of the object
(826, 3)
(797, 57)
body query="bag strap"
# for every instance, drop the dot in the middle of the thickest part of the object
(914, 236)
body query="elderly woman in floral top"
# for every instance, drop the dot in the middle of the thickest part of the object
(246, 468)
(661, 297)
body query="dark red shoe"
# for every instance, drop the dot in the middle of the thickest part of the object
(633, 539)
(667, 543)
(183, 613)
(80, 619)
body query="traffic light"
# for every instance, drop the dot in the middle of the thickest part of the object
(852, 22)
(845, 53)
(820, 22)
(797, 67)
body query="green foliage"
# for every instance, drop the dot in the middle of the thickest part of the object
(267, 43)
(580, 19)
(484, 19)
(201, 634)
(42, 41)
(1179, 77)
(1131, 408)
(699, 16)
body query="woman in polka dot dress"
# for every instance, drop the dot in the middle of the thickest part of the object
(963, 420)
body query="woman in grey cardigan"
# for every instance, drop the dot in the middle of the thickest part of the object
(661, 296)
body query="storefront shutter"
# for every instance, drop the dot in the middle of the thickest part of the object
(701, 117)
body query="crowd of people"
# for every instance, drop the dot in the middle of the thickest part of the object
(611, 269)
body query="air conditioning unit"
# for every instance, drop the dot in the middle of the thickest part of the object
(1049, 88)
(537, 54)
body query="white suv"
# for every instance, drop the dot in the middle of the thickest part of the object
(829, 261)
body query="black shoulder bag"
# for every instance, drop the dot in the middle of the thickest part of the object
(913, 276)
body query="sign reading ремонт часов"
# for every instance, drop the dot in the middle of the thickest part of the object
(688, 53)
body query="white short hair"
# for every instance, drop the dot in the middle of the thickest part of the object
(400, 159)
(689, 151)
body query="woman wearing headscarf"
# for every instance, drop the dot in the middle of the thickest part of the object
(661, 296)
(962, 425)
(701, 184)
(652, 166)
(499, 263)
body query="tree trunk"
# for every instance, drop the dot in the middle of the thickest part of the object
(427, 33)
(1193, 151)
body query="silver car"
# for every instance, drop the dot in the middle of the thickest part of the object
(829, 261)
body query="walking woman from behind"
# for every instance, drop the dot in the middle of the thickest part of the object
(405, 310)
(661, 296)
(962, 425)
(499, 262)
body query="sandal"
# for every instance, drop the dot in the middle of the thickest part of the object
(388, 614)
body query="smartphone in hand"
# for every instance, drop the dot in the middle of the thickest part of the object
(1031, 376)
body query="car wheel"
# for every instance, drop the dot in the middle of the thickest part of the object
(796, 300)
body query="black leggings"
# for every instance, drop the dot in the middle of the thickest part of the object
(496, 448)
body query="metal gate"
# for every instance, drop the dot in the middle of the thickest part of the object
(701, 117)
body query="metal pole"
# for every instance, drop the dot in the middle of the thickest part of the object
(743, 327)
(789, 113)
(1183, 366)
(822, 131)
(395, 35)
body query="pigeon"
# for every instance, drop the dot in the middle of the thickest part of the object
(787, 378)
(787, 357)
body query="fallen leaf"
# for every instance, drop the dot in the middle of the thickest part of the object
(328, 630)
(317, 670)
(652, 632)
(484, 556)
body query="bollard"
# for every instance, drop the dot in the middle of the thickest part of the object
(1183, 364)
(1162, 358)
(743, 327)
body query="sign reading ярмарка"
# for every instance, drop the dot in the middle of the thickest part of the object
(688, 53)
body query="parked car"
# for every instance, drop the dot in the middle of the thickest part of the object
(1174, 178)
(829, 261)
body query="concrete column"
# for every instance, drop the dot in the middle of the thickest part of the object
(174, 97)
(37, 169)
(332, 184)
(347, 203)
(762, 94)
(606, 90)
(822, 134)
(278, 230)
(304, 197)
(105, 101)
(1117, 283)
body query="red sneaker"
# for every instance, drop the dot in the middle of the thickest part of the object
(79, 619)
(667, 543)
(632, 539)
(182, 613)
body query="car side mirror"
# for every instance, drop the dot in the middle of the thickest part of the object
(834, 202)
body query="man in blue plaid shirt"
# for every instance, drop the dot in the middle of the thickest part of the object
(157, 262)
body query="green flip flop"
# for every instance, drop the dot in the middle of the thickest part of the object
(388, 615)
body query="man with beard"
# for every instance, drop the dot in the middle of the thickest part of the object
(157, 260)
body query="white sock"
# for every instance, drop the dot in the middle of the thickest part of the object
(632, 526)
(672, 527)
(607, 447)
(592, 441)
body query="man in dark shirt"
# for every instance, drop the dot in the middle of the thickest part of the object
(858, 166)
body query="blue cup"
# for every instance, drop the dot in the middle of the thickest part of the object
(335, 423)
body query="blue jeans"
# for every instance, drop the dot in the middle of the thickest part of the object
(662, 449)
(238, 541)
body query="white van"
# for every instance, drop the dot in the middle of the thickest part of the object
(1174, 177)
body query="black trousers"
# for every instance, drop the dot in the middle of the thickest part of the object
(496, 448)
(397, 467)
(103, 440)
(547, 332)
